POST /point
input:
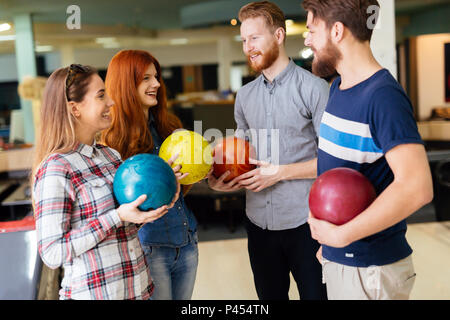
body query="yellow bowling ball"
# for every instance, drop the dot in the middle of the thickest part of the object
(195, 154)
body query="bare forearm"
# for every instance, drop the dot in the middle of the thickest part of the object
(299, 170)
(394, 204)
(411, 189)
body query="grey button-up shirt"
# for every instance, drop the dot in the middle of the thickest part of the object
(282, 118)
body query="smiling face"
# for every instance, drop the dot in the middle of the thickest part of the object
(148, 89)
(93, 112)
(326, 54)
(258, 43)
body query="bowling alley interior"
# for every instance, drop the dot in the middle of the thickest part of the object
(199, 48)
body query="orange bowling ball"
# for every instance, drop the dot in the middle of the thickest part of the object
(232, 154)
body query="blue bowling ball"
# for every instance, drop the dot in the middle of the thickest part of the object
(145, 174)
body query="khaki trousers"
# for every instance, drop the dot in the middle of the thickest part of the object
(388, 282)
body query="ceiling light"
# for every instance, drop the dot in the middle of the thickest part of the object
(108, 42)
(111, 45)
(178, 41)
(8, 38)
(40, 48)
(104, 40)
(4, 27)
(233, 22)
(306, 53)
(295, 28)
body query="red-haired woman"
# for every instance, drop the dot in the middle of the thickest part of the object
(140, 123)
(77, 223)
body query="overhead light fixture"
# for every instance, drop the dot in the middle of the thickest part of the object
(8, 38)
(294, 28)
(5, 27)
(306, 53)
(41, 48)
(103, 40)
(289, 22)
(179, 41)
(233, 22)
(111, 45)
(108, 42)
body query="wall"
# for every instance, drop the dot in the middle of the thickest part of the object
(383, 37)
(8, 69)
(430, 71)
(205, 53)
(432, 20)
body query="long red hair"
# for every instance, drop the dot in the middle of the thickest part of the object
(129, 133)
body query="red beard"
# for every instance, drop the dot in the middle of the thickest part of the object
(268, 58)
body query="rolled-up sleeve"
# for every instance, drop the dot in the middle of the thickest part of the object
(318, 96)
(239, 117)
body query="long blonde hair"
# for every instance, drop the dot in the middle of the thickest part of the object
(57, 125)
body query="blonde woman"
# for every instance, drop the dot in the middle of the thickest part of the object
(78, 223)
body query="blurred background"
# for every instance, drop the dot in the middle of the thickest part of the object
(198, 45)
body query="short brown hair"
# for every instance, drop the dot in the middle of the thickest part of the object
(271, 13)
(352, 13)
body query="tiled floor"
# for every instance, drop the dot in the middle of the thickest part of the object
(224, 269)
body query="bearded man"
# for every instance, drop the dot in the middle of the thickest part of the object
(282, 108)
(369, 126)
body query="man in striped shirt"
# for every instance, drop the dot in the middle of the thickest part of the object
(368, 125)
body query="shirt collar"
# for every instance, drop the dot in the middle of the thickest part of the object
(282, 76)
(86, 150)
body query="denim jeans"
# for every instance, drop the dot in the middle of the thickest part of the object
(173, 270)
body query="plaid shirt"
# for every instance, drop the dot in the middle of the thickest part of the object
(78, 227)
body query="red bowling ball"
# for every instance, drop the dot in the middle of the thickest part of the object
(340, 194)
(232, 154)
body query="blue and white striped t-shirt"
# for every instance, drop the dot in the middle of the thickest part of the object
(359, 126)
